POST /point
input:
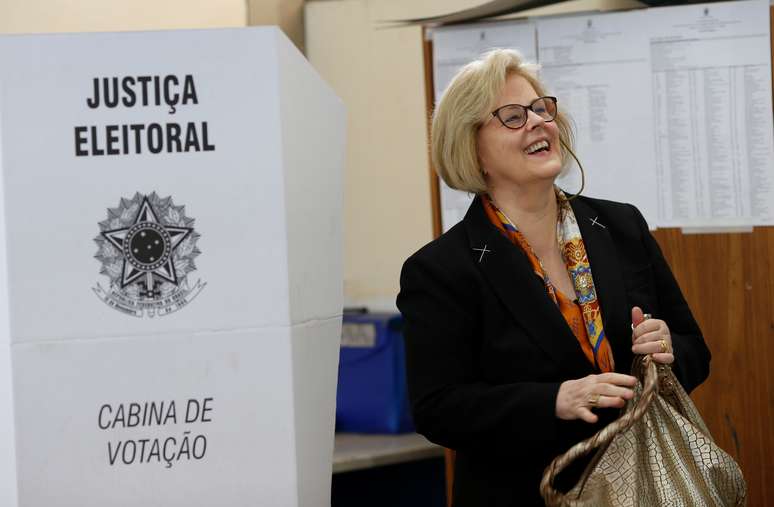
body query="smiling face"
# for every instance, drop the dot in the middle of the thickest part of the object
(509, 157)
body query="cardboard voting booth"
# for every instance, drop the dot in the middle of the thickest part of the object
(170, 270)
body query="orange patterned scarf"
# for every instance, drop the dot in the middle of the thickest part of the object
(584, 316)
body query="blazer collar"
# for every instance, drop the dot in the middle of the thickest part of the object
(608, 279)
(522, 292)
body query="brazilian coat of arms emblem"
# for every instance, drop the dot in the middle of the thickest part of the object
(147, 247)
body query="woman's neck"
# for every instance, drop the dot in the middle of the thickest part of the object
(533, 212)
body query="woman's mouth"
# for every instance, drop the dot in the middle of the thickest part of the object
(537, 148)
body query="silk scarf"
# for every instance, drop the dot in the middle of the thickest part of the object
(591, 334)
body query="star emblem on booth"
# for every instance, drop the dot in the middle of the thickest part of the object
(147, 246)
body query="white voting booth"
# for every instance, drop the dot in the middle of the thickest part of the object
(170, 270)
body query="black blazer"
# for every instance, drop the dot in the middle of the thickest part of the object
(487, 349)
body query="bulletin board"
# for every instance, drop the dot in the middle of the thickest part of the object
(728, 280)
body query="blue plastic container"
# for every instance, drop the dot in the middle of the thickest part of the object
(372, 395)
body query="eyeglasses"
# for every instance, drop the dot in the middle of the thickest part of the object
(514, 116)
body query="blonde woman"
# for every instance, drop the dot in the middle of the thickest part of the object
(521, 322)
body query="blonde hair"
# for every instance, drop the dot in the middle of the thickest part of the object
(467, 103)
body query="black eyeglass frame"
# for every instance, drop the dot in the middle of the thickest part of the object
(496, 112)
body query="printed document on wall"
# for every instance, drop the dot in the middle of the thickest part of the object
(598, 68)
(455, 46)
(711, 75)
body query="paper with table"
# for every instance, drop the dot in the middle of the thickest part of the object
(598, 68)
(711, 72)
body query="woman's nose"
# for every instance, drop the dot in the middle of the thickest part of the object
(534, 119)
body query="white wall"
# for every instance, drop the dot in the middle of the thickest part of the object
(378, 73)
(26, 16)
(287, 14)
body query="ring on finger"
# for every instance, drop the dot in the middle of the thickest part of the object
(594, 399)
(664, 346)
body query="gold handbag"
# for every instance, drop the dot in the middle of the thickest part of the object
(658, 452)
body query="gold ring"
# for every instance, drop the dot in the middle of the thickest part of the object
(664, 347)
(593, 399)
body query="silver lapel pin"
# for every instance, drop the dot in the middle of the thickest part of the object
(594, 222)
(483, 251)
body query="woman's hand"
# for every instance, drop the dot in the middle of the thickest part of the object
(576, 398)
(651, 336)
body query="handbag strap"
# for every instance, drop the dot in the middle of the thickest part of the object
(648, 375)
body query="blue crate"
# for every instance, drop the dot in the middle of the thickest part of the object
(371, 395)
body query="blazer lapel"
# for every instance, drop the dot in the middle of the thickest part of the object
(608, 282)
(522, 292)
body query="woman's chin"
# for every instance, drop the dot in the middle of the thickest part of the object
(546, 169)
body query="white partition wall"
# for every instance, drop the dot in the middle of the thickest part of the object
(171, 259)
